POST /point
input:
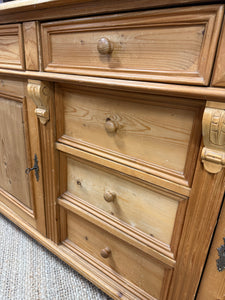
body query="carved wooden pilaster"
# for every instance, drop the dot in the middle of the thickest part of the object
(213, 131)
(40, 93)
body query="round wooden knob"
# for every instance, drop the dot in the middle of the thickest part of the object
(105, 252)
(104, 46)
(109, 196)
(110, 126)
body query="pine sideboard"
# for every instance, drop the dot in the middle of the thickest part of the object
(112, 140)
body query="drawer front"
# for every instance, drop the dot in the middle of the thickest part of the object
(145, 209)
(151, 133)
(175, 45)
(123, 260)
(11, 47)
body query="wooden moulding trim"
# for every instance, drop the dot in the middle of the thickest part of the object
(176, 190)
(149, 185)
(143, 166)
(195, 92)
(149, 245)
(116, 277)
(79, 262)
(8, 96)
(17, 203)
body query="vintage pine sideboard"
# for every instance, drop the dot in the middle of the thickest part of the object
(112, 139)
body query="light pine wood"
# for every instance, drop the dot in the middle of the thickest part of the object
(212, 284)
(125, 260)
(11, 47)
(14, 151)
(219, 73)
(140, 45)
(151, 168)
(195, 93)
(213, 154)
(201, 217)
(19, 136)
(147, 244)
(30, 35)
(157, 134)
(25, 10)
(50, 161)
(157, 211)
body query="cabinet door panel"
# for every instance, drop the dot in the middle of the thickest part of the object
(14, 151)
(20, 193)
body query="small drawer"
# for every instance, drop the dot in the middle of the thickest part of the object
(120, 260)
(155, 134)
(11, 47)
(174, 45)
(144, 207)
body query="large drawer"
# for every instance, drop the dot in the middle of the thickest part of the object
(174, 45)
(11, 47)
(156, 134)
(144, 207)
(121, 261)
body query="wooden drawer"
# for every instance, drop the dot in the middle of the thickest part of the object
(147, 208)
(11, 47)
(174, 45)
(131, 267)
(159, 135)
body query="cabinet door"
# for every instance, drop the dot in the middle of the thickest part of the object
(212, 285)
(21, 189)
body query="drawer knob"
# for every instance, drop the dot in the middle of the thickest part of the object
(104, 46)
(110, 126)
(105, 252)
(109, 196)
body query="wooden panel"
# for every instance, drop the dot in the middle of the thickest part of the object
(11, 47)
(30, 34)
(176, 45)
(57, 9)
(157, 211)
(125, 261)
(201, 217)
(212, 284)
(19, 135)
(219, 69)
(155, 134)
(13, 151)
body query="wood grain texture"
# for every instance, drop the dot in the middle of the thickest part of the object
(202, 211)
(212, 284)
(154, 134)
(31, 47)
(50, 170)
(147, 244)
(157, 211)
(13, 151)
(19, 137)
(195, 93)
(125, 260)
(144, 46)
(53, 9)
(219, 73)
(11, 47)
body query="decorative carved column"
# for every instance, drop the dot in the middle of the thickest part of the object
(213, 131)
(40, 93)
